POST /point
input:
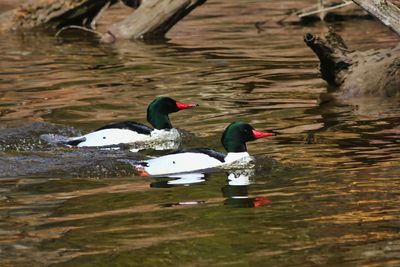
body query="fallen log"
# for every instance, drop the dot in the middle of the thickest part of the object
(356, 73)
(385, 11)
(52, 14)
(151, 18)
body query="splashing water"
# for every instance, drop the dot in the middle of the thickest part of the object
(33, 136)
(159, 140)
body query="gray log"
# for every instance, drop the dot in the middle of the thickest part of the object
(151, 20)
(386, 12)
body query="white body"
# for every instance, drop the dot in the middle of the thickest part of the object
(109, 137)
(190, 162)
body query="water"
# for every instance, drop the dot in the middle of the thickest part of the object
(325, 192)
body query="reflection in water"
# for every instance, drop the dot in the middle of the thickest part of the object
(66, 163)
(368, 128)
(235, 192)
(184, 179)
(187, 178)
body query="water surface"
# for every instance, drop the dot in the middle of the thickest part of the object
(325, 192)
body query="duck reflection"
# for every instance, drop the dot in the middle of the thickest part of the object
(235, 192)
(184, 179)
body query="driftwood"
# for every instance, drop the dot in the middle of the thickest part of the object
(151, 19)
(52, 14)
(356, 73)
(383, 10)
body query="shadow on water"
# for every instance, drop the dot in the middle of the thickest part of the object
(359, 132)
(369, 127)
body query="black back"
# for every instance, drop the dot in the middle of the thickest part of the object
(129, 125)
(212, 153)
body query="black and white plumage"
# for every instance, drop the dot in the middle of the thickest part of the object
(188, 161)
(233, 139)
(130, 132)
(114, 134)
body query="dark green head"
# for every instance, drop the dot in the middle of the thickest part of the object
(238, 133)
(159, 108)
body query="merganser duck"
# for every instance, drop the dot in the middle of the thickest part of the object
(131, 132)
(233, 139)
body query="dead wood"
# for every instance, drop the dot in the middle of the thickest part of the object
(356, 73)
(52, 14)
(152, 19)
(385, 11)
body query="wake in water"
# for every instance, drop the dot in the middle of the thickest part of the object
(67, 163)
(36, 148)
(28, 136)
(160, 140)
(29, 149)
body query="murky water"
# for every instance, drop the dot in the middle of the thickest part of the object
(325, 192)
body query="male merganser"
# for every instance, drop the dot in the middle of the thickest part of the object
(233, 139)
(131, 132)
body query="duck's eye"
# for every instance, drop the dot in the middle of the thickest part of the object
(104, 137)
(173, 162)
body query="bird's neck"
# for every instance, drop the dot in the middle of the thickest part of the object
(159, 121)
(235, 146)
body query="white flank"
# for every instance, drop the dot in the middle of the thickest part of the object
(108, 137)
(181, 162)
(192, 162)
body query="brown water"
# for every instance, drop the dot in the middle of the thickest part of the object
(323, 193)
